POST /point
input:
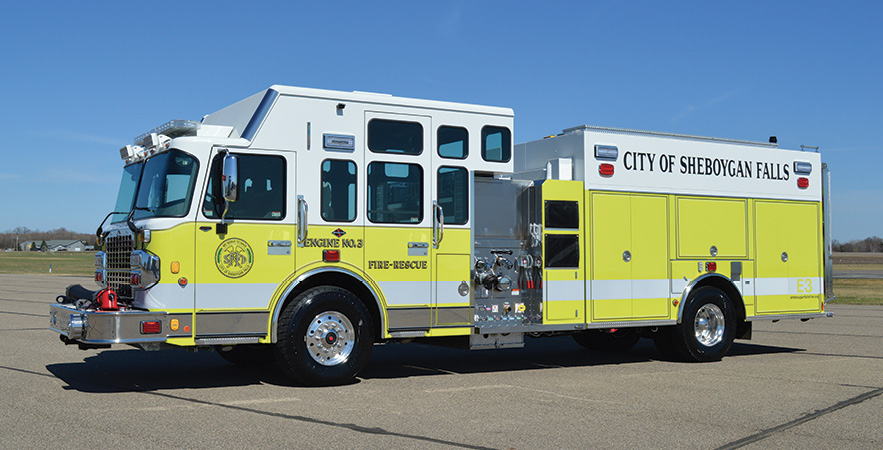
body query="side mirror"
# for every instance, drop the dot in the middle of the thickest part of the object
(229, 187)
(230, 178)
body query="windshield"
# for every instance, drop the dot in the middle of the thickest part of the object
(160, 187)
(126, 194)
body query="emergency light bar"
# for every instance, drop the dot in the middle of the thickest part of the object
(172, 129)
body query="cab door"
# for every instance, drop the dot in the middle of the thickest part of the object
(239, 268)
(452, 242)
(398, 229)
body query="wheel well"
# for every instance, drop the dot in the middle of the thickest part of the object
(732, 293)
(343, 281)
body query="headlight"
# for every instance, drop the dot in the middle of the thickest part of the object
(101, 269)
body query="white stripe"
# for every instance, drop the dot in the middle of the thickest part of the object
(559, 290)
(447, 292)
(165, 296)
(629, 289)
(611, 289)
(406, 292)
(234, 295)
(788, 286)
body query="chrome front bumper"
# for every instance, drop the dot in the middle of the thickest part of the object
(108, 327)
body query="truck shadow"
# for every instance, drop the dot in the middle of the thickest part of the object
(400, 361)
(135, 370)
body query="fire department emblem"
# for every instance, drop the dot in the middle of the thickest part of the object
(234, 258)
(338, 232)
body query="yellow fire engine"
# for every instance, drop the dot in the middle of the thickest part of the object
(303, 226)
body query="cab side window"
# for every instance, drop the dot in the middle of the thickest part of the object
(338, 190)
(395, 193)
(453, 142)
(395, 136)
(496, 144)
(453, 194)
(261, 189)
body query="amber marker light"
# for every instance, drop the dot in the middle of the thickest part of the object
(176, 267)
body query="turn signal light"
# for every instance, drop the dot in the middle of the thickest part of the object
(151, 327)
(331, 255)
(803, 182)
(99, 277)
(606, 169)
(710, 266)
(135, 279)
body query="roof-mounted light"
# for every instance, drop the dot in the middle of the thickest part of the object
(172, 129)
(128, 152)
(610, 152)
(802, 167)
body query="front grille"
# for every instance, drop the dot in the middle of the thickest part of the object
(119, 251)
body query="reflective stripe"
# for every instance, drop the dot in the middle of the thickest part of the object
(628, 289)
(165, 296)
(405, 292)
(788, 286)
(235, 295)
(564, 290)
(447, 293)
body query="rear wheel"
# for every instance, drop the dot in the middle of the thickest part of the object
(613, 341)
(708, 327)
(325, 337)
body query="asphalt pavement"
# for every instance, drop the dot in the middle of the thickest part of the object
(815, 384)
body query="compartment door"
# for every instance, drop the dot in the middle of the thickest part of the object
(788, 257)
(611, 267)
(650, 280)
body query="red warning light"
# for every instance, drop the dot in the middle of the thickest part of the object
(606, 170)
(331, 255)
(151, 327)
(803, 182)
(710, 266)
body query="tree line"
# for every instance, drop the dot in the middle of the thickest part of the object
(872, 244)
(9, 238)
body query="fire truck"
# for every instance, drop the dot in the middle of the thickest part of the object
(302, 227)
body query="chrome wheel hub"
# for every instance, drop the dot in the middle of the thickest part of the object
(330, 338)
(709, 325)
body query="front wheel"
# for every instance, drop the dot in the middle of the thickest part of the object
(708, 326)
(325, 337)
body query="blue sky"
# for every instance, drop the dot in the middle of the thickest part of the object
(81, 79)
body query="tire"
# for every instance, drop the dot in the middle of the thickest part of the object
(325, 337)
(248, 355)
(619, 341)
(708, 327)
